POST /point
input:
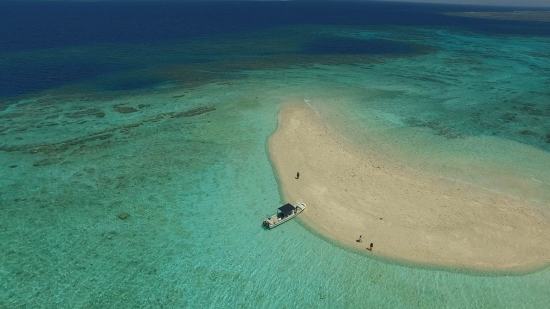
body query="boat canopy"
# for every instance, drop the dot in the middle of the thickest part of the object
(287, 209)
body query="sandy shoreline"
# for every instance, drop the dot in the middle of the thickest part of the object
(407, 214)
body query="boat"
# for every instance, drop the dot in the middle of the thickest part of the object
(284, 214)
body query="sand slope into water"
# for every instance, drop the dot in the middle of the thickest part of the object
(408, 214)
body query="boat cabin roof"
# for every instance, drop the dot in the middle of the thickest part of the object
(287, 209)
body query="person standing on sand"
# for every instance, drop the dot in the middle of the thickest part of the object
(297, 175)
(370, 246)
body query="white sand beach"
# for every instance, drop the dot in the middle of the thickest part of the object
(408, 214)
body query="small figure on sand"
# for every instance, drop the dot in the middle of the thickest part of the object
(297, 175)
(360, 239)
(370, 246)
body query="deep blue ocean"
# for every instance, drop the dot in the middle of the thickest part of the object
(49, 26)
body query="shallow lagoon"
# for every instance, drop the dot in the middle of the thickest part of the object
(179, 145)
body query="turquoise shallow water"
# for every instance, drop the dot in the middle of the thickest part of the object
(181, 148)
(196, 189)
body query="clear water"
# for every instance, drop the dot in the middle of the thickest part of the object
(170, 127)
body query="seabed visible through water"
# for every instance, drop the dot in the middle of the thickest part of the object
(145, 183)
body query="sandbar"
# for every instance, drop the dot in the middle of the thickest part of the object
(409, 215)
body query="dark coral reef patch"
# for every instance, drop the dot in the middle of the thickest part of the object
(354, 46)
(86, 112)
(123, 109)
(100, 136)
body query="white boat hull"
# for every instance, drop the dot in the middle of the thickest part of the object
(277, 219)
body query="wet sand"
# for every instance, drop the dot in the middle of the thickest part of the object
(408, 214)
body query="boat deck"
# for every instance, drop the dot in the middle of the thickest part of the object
(285, 213)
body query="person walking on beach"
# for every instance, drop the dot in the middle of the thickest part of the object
(297, 175)
(360, 238)
(370, 246)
